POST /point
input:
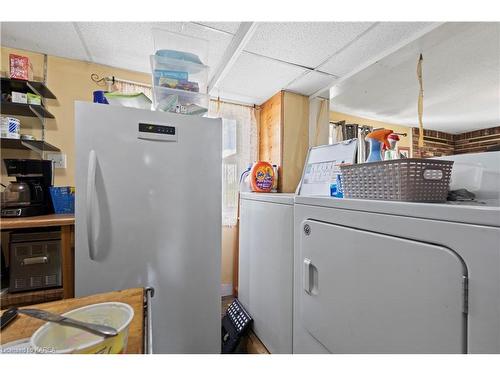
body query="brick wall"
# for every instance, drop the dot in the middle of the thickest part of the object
(477, 141)
(442, 144)
(435, 144)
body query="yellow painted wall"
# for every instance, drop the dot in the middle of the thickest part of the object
(229, 248)
(404, 142)
(69, 80)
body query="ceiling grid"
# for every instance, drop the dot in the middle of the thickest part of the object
(304, 57)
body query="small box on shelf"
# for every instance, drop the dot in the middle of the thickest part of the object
(34, 99)
(19, 97)
(19, 67)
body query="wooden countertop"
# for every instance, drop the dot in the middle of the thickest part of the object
(51, 220)
(25, 326)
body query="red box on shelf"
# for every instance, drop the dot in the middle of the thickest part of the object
(19, 66)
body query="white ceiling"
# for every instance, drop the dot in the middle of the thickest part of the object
(303, 43)
(124, 45)
(258, 77)
(461, 71)
(304, 57)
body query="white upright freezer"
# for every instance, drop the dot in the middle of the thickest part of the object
(148, 214)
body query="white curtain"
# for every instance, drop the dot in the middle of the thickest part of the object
(240, 145)
(335, 133)
(130, 88)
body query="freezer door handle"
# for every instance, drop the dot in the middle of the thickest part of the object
(307, 275)
(149, 293)
(90, 200)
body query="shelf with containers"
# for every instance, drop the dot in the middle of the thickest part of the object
(35, 87)
(33, 110)
(179, 75)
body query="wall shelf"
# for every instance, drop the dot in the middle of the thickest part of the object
(21, 109)
(39, 88)
(24, 144)
(40, 112)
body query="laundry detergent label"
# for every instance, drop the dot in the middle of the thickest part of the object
(262, 177)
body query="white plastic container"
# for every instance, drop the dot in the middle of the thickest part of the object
(245, 180)
(59, 339)
(10, 127)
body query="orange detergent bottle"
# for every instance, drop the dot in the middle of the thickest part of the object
(262, 177)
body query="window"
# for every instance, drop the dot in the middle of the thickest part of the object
(239, 138)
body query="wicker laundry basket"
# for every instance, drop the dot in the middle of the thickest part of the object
(409, 180)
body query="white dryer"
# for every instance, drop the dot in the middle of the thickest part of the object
(266, 266)
(394, 277)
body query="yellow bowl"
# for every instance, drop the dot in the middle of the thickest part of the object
(59, 339)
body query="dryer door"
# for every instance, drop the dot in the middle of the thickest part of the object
(365, 292)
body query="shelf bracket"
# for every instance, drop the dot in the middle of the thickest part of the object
(32, 148)
(34, 89)
(37, 114)
(41, 118)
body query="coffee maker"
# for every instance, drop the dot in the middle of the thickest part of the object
(29, 195)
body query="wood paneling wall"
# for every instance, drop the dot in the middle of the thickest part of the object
(284, 136)
(270, 129)
(295, 140)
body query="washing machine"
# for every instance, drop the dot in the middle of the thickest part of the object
(396, 277)
(265, 276)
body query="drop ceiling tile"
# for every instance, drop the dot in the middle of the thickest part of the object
(258, 77)
(311, 82)
(382, 37)
(128, 44)
(303, 43)
(119, 44)
(228, 27)
(217, 43)
(52, 38)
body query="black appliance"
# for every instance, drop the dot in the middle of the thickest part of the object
(36, 175)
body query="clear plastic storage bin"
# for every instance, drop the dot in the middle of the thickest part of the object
(179, 73)
(180, 101)
(168, 40)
